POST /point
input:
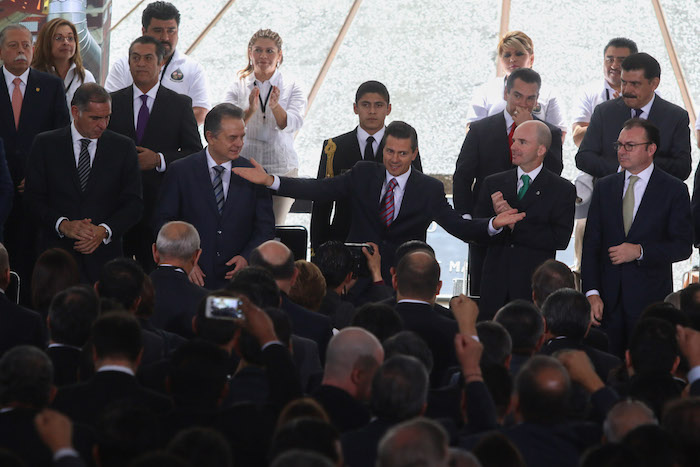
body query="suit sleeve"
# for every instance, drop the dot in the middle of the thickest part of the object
(282, 375)
(264, 223)
(465, 229)
(169, 203)
(553, 160)
(327, 189)
(61, 115)
(7, 190)
(131, 197)
(677, 244)
(677, 161)
(465, 173)
(695, 207)
(589, 157)
(321, 211)
(592, 244)
(190, 141)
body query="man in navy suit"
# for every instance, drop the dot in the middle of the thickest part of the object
(638, 226)
(232, 215)
(391, 203)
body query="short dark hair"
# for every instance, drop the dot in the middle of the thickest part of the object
(121, 279)
(379, 319)
(539, 401)
(549, 277)
(682, 419)
(55, 270)
(160, 48)
(567, 313)
(496, 341)
(399, 388)
(198, 373)
(401, 130)
(117, 334)
(202, 446)
(653, 346)
(301, 458)
(279, 271)
(411, 344)
(71, 315)
(249, 346)
(335, 261)
(257, 284)
(417, 278)
(688, 302)
(124, 432)
(159, 10)
(524, 323)
(526, 75)
(212, 122)
(372, 86)
(410, 246)
(89, 92)
(26, 375)
(622, 42)
(642, 61)
(651, 130)
(306, 433)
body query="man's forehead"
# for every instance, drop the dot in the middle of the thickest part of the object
(395, 142)
(162, 23)
(524, 88)
(613, 51)
(18, 35)
(372, 97)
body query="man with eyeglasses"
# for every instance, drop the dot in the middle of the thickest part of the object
(638, 225)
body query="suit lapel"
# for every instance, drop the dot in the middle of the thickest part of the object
(355, 154)
(32, 100)
(159, 110)
(6, 115)
(533, 193)
(646, 205)
(510, 190)
(128, 103)
(375, 189)
(500, 141)
(68, 154)
(410, 197)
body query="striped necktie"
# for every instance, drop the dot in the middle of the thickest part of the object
(387, 214)
(218, 188)
(84, 163)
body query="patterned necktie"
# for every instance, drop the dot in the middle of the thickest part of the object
(637, 113)
(387, 213)
(142, 119)
(16, 100)
(628, 204)
(526, 184)
(369, 151)
(218, 188)
(510, 141)
(84, 163)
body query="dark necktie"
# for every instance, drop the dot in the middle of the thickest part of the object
(218, 188)
(84, 163)
(526, 184)
(510, 140)
(369, 152)
(387, 214)
(637, 113)
(142, 119)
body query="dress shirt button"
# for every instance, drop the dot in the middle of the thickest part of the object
(218, 253)
(218, 232)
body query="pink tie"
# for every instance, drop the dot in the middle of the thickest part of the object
(387, 213)
(16, 100)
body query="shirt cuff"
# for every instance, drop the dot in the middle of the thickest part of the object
(275, 183)
(271, 343)
(493, 231)
(476, 338)
(641, 256)
(65, 452)
(107, 240)
(467, 216)
(592, 292)
(693, 374)
(161, 167)
(58, 222)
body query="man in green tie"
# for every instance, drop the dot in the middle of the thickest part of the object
(547, 199)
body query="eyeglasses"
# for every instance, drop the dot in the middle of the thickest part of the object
(60, 38)
(629, 146)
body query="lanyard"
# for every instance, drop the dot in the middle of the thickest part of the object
(607, 94)
(263, 105)
(165, 67)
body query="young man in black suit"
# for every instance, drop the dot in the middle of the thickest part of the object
(549, 202)
(161, 124)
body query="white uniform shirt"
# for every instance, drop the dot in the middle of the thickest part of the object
(72, 82)
(589, 96)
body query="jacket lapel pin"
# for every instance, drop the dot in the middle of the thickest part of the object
(37, 89)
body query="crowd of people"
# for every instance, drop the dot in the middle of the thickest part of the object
(149, 316)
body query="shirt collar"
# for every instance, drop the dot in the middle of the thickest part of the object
(509, 120)
(9, 77)
(362, 135)
(644, 174)
(647, 108)
(211, 163)
(401, 179)
(606, 86)
(274, 80)
(76, 136)
(119, 368)
(532, 174)
(151, 92)
(408, 300)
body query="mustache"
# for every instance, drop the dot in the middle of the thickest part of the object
(21, 57)
(629, 96)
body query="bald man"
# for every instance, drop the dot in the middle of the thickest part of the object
(353, 356)
(549, 203)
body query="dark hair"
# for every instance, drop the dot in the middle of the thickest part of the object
(399, 388)
(71, 315)
(160, 459)
(549, 277)
(653, 444)
(212, 122)
(642, 61)
(121, 279)
(622, 42)
(248, 345)
(653, 346)
(379, 319)
(204, 447)
(159, 10)
(125, 432)
(301, 458)
(495, 449)
(411, 246)
(89, 92)
(540, 401)
(257, 284)
(667, 312)
(304, 407)
(682, 419)
(145, 40)
(567, 313)
(526, 75)
(55, 270)
(524, 323)
(279, 271)
(335, 261)
(651, 130)
(217, 331)
(496, 341)
(117, 334)
(147, 305)
(26, 374)
(198, 374)
(418, 276)
(411, 344)
(689, 304)
(371, 86)
(308, 434)
(401, 130)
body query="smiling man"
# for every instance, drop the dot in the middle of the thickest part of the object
(232, 215)
(391, 203)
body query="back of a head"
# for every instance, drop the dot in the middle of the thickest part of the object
(301, 458)
(624, 417)
(549, 277)
(653, 444)
(71, 315)
(682, 420)
(4, 265)
(379, 319)
(610, 455)
(461, 458)
(690, 298)
(116, 334)
(257, 284)
(524, 324)
(248, 345)
(177, 240)
(303, 407)
(198, 373)
(335, 262)
(307, 434)
(122, 280)
(275, 257)
(496, 341)
(351, 346)
(567, 313)
(653, 346)
(159, 459)
(496, 450)
(310, 286)
(399, 389)
(667, 312)
(418, 276)
(543, 388)
(411, 246)
(411, 344)
(55, 270)
(419, 442)
(203, 447)
(124, 433)
(26, 375)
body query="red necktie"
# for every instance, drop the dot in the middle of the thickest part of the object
(510, 141)
(387, 213)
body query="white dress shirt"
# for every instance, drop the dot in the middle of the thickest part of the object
(9, 78)
(399, 189)
(532, 174)
(225, 175)
(646, 109)
(362, 136)
(149, 104)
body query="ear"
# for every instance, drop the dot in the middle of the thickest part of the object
(136, 303)
(143, 31)
(539, 344)
(628, 359)
(439, 287)
(676, 362)
(354, 108)
(96, 287)
(168, 388)
(295, 276)
(137, 363)
(506, 364)
(156, 256)
(48, 322)
(197, 255)
(394, 282)
(53, 390)
(348, 278)
(655, 82)
(194, 324)
(532, 59)
(388, 109)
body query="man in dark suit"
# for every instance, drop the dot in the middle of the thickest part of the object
(640, 78)
(548, 201)
(162, 125)
(176, 251)
(391, 203)
(84, 185)
(340, 154)
(486, 151)
(7, 190)
(638, 226)
(30, 102)
(231, 215)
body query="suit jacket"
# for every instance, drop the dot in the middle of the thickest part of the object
(343, 152)
(340, 311)
(19, 326)
(662, 226)
(485, 152)
(246, 222)
(345, 412)
(70, 365)
(176, 301)
(597, 157)
(360, 446)
(112, 196)
(423, 202)
(603, 362)
(695, 206)
(7, 189)
(513, 255)
(306, 323)
(171, 130)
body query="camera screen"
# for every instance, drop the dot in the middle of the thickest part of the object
(224, 308)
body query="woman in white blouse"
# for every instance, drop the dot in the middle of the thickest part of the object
(515, 50)
(56, 51)
(274, 110)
